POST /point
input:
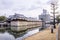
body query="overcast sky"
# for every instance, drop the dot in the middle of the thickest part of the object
(30, 8)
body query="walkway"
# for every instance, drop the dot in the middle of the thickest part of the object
(43, 35)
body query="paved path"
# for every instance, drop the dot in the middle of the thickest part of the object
(59, 32)
(43, 35)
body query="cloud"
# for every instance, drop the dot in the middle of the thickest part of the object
(21, 6)
(5, 4)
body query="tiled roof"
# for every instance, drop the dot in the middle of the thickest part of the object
(20, 16)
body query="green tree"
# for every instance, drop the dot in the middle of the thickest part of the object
(2, 18)
(58, 18)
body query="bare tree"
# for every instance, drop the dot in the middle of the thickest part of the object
(54, 7)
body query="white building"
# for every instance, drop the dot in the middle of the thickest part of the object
(19, 22)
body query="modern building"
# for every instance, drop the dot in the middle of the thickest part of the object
(45, 17)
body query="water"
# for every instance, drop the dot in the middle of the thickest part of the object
(28, 34)
(7, 36)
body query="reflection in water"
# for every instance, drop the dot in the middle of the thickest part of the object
(28, 34)
(7, 36)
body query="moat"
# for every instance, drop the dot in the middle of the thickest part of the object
(5, 35)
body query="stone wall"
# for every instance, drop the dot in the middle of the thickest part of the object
(23, 25)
